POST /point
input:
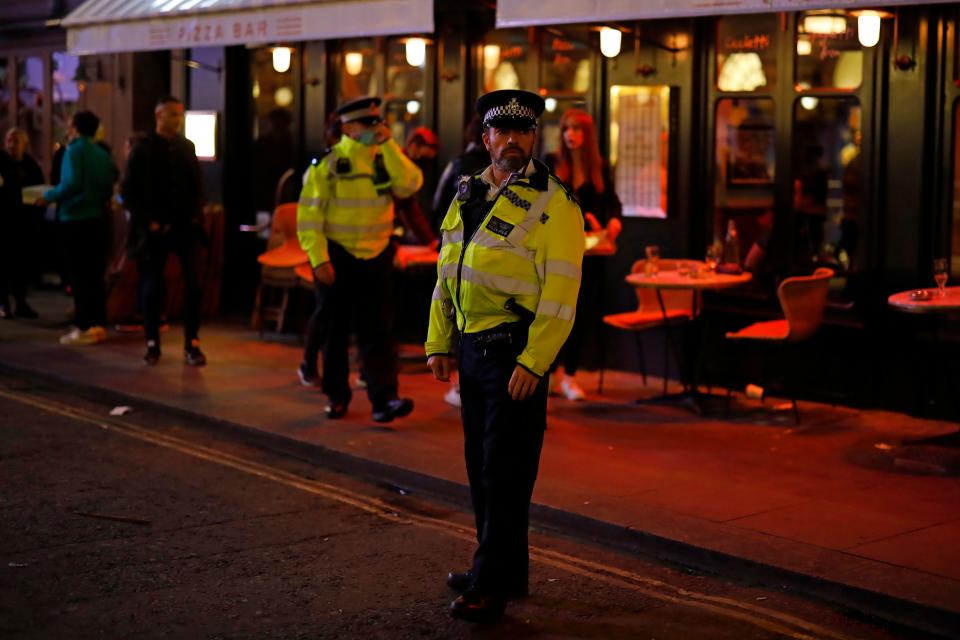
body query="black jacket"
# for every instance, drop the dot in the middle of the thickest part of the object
(163, 185)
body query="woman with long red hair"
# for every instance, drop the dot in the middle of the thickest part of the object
(581, 168)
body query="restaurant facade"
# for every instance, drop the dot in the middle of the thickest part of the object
(827, 131)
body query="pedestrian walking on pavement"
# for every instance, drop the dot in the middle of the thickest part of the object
(508, 275)
(87, 176)
(344, 223)
(163, 190)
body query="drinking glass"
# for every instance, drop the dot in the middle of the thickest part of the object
(941, 273)
(652, 266)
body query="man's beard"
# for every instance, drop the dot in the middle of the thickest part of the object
(512, 162)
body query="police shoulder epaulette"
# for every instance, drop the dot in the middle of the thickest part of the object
(570, 195)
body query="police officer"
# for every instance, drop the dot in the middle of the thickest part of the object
(344, 223)
(508, 277)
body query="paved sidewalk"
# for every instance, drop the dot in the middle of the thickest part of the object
(834, 504)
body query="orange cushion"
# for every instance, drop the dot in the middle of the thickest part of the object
(637, 320)
(769, 330)
(285, 255)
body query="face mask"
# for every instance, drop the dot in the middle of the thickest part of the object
(367, 137)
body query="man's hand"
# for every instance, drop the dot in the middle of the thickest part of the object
(40, 202)
(324, 274)
(522, 384)
(383, 132)
(440, 365)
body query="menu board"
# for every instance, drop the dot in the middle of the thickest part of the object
(639, 131)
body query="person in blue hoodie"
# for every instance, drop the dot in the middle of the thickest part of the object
(87, 176)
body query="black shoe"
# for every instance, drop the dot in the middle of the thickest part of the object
(193, 356)
(396, 408)
(476, 606)
(26, 311)
(309, 376)
(336, 409)
(152, 356)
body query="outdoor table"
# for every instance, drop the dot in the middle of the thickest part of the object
(908, 302)
(415, 255)
(703, 281)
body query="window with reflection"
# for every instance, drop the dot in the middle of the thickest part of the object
(66, 94)
(747, 53)
(358, 70)
(955, 227)
(828, 53)
(827, 179)
(506, 60)
(640, 148)
(274, 125)
(4, 94)
(744, 171)
(30, 104)
(405, 98)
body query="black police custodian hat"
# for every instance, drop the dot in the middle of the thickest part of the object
(365, 109)
(511, 107)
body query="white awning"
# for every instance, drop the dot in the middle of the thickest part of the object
(109, 26)
(523, 13)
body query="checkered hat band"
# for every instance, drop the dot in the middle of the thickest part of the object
(512, 109)
(367, 111)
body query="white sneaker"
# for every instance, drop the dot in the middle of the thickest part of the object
(452, 396)
(93, 335)
(571, 390)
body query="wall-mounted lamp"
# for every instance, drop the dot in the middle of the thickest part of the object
(804, 46)
(550, 104)
(416, 49)
(413, 107)
(281, 59)
(610, 42)
(868, 26)
(353, 61)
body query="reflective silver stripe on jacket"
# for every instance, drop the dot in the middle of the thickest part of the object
(451, 236)
(310, 202)
(438, 294)
(504, 284)
(556, 310)
(559, 267)
(336, 227)
(358, 203)
(491, 241)
(310, 225)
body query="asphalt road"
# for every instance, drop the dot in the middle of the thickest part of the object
(147, 526)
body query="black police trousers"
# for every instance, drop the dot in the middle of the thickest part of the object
(363, 291)
(502, 443)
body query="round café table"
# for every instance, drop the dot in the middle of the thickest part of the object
(702, 281)
(929, 301)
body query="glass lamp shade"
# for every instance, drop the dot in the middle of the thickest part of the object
(610, 42)
(281, 59)
(416, 51)
(868, 28)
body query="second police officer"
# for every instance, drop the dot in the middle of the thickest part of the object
(508, 276)
(344, 223)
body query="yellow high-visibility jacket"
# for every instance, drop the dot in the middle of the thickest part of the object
(529, 247)
(347, 197)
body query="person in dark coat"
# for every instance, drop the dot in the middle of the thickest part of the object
(580, 167)
(474, 159)
(163, 190)
(19, 222)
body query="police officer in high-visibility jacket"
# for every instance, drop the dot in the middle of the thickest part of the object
(508, 276)
(344, 223)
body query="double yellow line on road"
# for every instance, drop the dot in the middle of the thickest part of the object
(769, 619)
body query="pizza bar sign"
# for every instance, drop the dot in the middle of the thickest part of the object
(237, 30)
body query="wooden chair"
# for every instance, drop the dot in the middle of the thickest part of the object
(803, 300)
(670, 308)
(278, 275)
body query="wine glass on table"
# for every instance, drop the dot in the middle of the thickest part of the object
(941, 273)
(713, 256)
